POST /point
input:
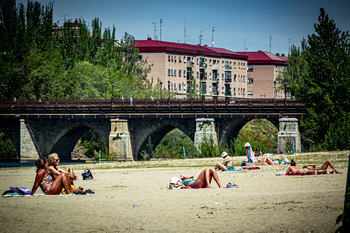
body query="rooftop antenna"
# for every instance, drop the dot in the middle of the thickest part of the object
(160, 29)
(185, 41)
(244, 45)
(271, 43)
(155, 29)
(64, 17)
(212, 37)
(200, 38)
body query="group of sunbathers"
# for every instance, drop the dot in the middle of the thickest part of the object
(53, 180)
(205, 177)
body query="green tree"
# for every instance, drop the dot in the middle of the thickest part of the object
(321, 81)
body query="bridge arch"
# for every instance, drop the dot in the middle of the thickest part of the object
(156, 129)
(229, 128)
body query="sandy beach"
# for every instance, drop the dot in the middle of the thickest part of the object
(263, 202)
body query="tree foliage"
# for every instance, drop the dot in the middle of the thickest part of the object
(319, 75)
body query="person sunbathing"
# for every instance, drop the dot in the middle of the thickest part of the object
(203, 180)
(54, 170)
(324, 167)
(268, 161)
(295, 170)
(46, 182)
(227, 165)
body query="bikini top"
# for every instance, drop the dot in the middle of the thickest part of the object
(227, 162)
(44, 181)
(187, 182)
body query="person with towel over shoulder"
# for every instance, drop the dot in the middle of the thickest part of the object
(227, 165)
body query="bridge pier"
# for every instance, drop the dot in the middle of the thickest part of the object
(287, 134)
(28, 150)
(119, 140)
(205, 128)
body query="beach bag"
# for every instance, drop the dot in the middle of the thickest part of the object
(13, 192)
(87, 175)
(175, 183)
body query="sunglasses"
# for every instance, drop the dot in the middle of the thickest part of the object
(57, 160)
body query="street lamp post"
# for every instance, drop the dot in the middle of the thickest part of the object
(2, 91)
(161, 84)
(169, 89)
(56, 90)
(285, 89)
(51, 90)
(112, 83)
(274, 89)
(105, 91)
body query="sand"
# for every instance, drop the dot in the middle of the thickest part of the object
(263, 202)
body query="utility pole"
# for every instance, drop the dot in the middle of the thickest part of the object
(160, 29)
(185, 41)
(271, 43)
(200, 38)
(155, 30)
(212, 37)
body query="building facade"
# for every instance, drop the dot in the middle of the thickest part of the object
(218, 72)
(263, 69)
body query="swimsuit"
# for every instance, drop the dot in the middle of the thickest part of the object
(187, 182)
(228, 168)
(47, 190)
(44, 181)
(279, 161)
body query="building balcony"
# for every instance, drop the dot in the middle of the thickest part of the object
(216, 67)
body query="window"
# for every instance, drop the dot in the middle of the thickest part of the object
(172, 86)
(226, 65)
(171, 72)
(234, 77)
(250, 80)
(179, 58)
(179, 86)
(172, 58)
(184, 73)
(140, 57)
(243, 78)
(205, 75)
(222, 76)
(175, 73)
(234, 65)
(210, 89)
(168, 72)
(250, 93)
(179, 73)
(210, 62)
(175, 58)
(209, 75)
(168, 57)
(250, 68)
(197, 74)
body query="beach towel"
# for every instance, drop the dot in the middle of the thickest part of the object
(250, 154)
(251, 168)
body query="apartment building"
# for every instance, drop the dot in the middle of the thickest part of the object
(218, 72)
(263, 68)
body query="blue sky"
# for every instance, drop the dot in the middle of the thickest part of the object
(234, 21)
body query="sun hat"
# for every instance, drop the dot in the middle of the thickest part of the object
(175, 183)
(224, 154)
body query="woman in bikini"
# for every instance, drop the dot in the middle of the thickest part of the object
(227, 165)
(54, 170)
(295, 170)
(46, 183)
(268, 161)
(203, 180)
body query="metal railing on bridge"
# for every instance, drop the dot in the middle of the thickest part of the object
(97, 106)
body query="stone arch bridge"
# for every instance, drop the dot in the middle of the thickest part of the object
(39, 128)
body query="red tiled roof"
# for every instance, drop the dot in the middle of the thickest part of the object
(163, 46)
(262, 57)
